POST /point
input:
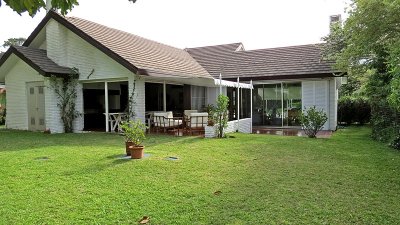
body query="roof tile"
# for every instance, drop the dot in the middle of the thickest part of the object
(143, 53)
(263, 63)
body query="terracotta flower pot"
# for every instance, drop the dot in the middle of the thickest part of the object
(127, 145)
(136, 152)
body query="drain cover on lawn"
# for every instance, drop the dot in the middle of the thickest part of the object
(42, 158)
(172, 158)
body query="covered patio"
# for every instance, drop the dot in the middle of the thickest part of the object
(171, 105)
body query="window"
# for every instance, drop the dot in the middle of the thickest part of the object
(198, 97)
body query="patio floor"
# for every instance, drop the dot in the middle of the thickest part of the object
(288, 131)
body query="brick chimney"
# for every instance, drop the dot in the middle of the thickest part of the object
(335, 19)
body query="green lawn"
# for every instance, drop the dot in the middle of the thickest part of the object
(81, 179)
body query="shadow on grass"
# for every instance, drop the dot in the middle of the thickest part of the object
(14, 140)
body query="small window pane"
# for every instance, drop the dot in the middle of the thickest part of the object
(33, 122)
(32, 90)
(40, 90)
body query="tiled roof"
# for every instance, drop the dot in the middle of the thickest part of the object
(147, 55)
(271, 63)
(37, 59)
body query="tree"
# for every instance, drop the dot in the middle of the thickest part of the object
(368, 46)
(14, 42)
(221, 114)
(33, 6)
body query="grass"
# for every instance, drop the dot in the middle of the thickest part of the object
(259, 179)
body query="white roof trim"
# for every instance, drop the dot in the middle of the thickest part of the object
(226, 83)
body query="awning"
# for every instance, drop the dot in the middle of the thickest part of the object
(226, 83)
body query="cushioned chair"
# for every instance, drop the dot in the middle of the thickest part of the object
(165, 121)
(197, 122)
(186, 115)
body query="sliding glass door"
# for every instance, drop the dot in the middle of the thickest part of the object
(292, 104)
(277, 105)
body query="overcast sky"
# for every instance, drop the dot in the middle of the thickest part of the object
(194, 23)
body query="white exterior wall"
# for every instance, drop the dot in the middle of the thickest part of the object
(68, 49)
(317, 93)
(333, 101)
(140, 97)
(244, 127)
(53, 117)
(17, 99)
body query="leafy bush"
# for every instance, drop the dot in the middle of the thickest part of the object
(2, 116)
(66, 93)
(312, 121)
(385, 121)
(134, 131)
(354, 110)
(396, 142)
(221, 114)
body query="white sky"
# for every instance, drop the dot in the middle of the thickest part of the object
(194, 23)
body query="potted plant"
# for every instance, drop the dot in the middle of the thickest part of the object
(134, 132)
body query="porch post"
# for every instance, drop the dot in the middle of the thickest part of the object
(164, 96)
(106, 105)
(220, 83)
(282, 101)
(238, 102)
(251, 106)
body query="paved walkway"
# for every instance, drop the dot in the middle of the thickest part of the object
(288, 132)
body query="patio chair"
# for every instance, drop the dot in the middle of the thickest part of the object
(165, 121)
(186, 115)
(197, 122)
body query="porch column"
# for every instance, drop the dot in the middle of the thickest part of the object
(251, 106)
(282, 101)
(164, 97)
(220, 84)
(238, 102)
(106, 105)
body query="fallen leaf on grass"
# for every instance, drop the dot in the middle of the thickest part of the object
(217, 193)
(144, 220)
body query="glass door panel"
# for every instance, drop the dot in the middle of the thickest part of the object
(258, 106)
(292, 104)
(272, 95)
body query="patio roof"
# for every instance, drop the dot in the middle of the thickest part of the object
(38, 60)
(226, 83)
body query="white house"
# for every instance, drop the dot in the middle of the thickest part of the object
(112, 64)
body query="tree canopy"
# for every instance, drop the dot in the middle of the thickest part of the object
(368, 47)
(33, 6)
(14, 42)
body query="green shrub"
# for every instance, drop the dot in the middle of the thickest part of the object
(354, 110)
(396, 142)
(134, 131)
(221, 114)
(345, 110)
(2, 116)
(312, 121)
